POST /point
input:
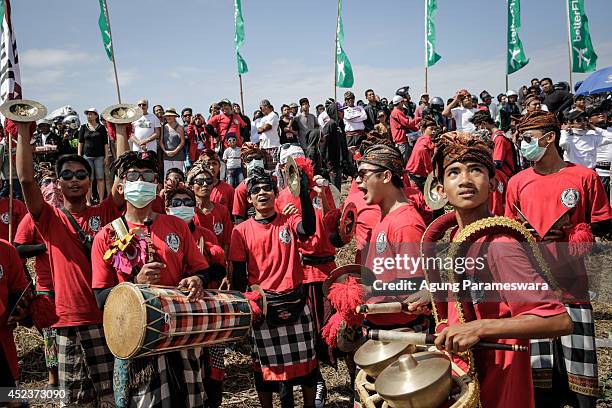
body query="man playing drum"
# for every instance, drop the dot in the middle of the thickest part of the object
(172, 258)
(463, 164)
(264, 251)
(84, 362)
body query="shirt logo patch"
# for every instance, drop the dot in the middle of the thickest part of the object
(1, 271)
(218, 228)
(5, 218)
(94, 223)
(500, 187)
(316, 203)
(570, 197)
(173, 241)
(285, 235)
(381, 242)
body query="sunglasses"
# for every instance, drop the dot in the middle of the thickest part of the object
(177, 202)
(527, 137)
(148, 176)
(143, 104)
(202, 181)
(68, 175)
(47, 181)
(257, 189)
(365, 174)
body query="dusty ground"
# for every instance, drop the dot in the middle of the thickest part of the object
(239, 387)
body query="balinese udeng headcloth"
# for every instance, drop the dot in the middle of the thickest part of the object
(461, 147)
(386, 157)
(537, 120)
(146, 160)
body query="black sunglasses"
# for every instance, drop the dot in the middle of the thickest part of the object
(201, 181)
(177, 202)
(257, 189)
(68, 175)
(47, 181)
(363, 174)
(148, 176)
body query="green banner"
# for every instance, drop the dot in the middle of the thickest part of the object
(344, 71)
(431, 8)
(584, 58)
(105, 30)
(239, 37)
(516, 58)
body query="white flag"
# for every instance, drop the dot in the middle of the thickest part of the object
(10, 79)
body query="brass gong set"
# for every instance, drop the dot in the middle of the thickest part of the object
(25, 110)
(403, 375)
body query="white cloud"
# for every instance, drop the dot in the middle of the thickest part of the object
(54, 57)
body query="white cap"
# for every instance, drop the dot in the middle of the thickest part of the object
(510, 92)
(397, 99)
(293, 151)
(94, 110)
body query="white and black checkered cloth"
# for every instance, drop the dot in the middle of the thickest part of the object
(578, 350)
(85, 364)
(157, 394)
(285, 346)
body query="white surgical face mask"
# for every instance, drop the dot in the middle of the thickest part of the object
(183, 212)
(139, 193)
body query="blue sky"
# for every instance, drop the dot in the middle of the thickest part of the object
(181, 52)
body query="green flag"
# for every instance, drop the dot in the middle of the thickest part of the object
(516, 55)
(431, 8)
(105, 30)
(344, 71)
(584, 58)
(239, 37)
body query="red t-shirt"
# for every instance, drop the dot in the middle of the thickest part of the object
(398, 233)
(367, 217)
(174, 246)
(575, 191)
(419, 162)
(400, 124)
(75, 303)
(505, 376)
(318, 245)
(28, 235)
(218, 221)
(13, 280)
(241, 204)
(19, 211)
(222, 193)
(270, 251)
(159, 205)
(497, 199)
(502, 151)
(221, 122)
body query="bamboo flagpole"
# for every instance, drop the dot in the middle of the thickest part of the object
(107, 39)
(426, 59)
(238, 43)
(569, 44)
(336, 52)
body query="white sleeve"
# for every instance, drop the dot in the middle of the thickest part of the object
(156, 122)
(563, 140)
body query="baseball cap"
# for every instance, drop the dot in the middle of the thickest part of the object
(94, 110)
(397, 99)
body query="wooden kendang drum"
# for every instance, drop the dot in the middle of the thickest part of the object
(144, 320)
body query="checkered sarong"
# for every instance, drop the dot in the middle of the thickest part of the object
(85, 364)
(578, 351)
(213, 362)
(279, 348)
(156, 393)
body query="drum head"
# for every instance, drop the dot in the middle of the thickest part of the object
(125, 320)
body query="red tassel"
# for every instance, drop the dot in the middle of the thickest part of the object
(580, 238)
(345, 297)
(329, 332)
(307, 167)
(217, 256)
(43, 312)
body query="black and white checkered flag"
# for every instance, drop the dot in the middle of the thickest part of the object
(10, 79)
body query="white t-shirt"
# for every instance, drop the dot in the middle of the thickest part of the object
(581, 146)
(231, 156)
(270, 138)
(254, 134)
(144, 128)
(462, 118)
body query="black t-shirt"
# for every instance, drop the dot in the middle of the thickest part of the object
(287, 137)
(93, 140)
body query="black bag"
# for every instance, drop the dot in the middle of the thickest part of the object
(85, 238)
(285, 308)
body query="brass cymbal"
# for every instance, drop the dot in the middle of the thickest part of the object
(122, 113)
(23, 110)
(432, 198)
(374, 356)
(293, 176)
(420, 380)
(347, 223)
(341, 273)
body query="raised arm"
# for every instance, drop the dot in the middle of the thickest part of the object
(447, 111)
(25, 170)
(121, 143)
